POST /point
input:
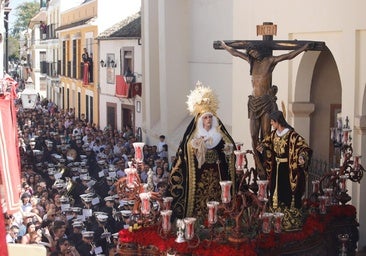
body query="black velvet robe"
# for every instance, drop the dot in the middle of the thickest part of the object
(192, 187)
(281, 155)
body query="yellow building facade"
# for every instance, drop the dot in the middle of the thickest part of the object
(78, 60)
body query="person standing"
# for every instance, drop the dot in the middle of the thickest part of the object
(164, 153)
(12, 234)
(86, 59)
(287, 157)
(86, 246)
(161, 143)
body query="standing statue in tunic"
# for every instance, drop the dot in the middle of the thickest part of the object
(286, 160)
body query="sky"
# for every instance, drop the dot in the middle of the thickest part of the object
(14, 4)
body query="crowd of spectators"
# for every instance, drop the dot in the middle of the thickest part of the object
(69, 168)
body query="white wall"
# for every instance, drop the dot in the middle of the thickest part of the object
(120, 10)
(108, 91)
(178, 51)
(208, 65)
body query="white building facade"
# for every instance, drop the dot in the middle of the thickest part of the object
(120, 50)
(37, 53)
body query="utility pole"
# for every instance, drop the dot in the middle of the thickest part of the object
(6, 26)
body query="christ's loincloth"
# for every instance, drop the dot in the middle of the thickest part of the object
(260, 105)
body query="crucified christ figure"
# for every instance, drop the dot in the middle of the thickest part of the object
(263, 99)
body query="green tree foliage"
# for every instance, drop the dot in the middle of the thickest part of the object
(13, 48)
(23, 14)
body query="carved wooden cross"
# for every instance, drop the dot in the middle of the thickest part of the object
(262, 62)
(267, 30)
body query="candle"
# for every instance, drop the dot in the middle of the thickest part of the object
(131, 176)
(322, 204)
(266, 222)
(225, 191)
(211, 215)
(139, 156)
(189, 231)
(166, 225)
(262, 189)
(278, 222)
(167, 202)
(145, 203)
(212, 212)
(315, 186)
(240, 161)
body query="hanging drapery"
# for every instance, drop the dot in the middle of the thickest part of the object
(122, 88)
(9, 154)
(86, 74)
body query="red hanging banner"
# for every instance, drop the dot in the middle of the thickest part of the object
(86, 74)
(122, 88)
(9, 157)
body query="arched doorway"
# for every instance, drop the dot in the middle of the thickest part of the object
(326, 95)
(360, 190)
(317, 100)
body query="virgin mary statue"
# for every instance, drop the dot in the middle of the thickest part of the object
(204, 158)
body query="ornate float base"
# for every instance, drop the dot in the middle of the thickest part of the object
(319, 236)
(293, 219)
(136, 249)
(237, 239)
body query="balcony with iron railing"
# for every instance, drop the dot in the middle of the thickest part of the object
(48, 32)
(71, 71)
(49, 68)
(317, 168)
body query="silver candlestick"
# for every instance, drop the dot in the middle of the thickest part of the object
(180, 232)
